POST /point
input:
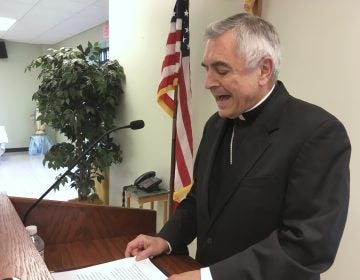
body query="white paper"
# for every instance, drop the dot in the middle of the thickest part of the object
(124, 269)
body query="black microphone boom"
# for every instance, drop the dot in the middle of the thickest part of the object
(138, 124)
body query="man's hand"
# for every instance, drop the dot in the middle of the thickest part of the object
(190, 275)
(145, 246)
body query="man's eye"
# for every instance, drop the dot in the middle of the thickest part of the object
(222, 72)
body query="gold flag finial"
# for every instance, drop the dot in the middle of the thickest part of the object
(253, 7)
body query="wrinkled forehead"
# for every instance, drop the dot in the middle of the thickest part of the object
(221, 48)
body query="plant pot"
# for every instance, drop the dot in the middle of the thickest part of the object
(102, 189)
(88, 201)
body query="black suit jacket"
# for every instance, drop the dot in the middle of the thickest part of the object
(283, 212)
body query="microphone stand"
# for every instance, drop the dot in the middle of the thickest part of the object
(133, 125)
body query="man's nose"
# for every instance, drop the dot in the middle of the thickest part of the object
(210, 81)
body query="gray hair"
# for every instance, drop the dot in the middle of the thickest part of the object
(256, 38)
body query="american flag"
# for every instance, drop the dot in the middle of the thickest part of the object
(175, 73)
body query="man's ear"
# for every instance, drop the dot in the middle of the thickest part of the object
(266, 70)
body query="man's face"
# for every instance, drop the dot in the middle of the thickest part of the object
(234, 87)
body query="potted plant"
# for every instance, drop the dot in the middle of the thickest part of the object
(78, 96)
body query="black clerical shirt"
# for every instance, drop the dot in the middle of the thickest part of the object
(234, 133)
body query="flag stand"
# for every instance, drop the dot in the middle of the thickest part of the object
(173, 151)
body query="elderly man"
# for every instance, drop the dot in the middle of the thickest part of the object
(271, 177)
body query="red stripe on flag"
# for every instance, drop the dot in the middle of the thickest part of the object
(174, 37)
(185, 108)
(181, 165)
(175, 204)
(168, 102)
(171, 60)
(168, 81)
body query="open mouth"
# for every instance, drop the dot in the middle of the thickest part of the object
(222, 97)
(223, 101)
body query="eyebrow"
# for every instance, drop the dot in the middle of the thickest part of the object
(216, 64)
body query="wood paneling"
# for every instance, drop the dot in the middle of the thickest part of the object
(66, 222)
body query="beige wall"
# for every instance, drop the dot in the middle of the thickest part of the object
(16, 90)
(320, 43)
(94, 34)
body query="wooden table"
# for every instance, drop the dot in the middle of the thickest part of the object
(62, 257)
(141, 197)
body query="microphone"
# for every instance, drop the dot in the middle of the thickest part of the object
(138, 124)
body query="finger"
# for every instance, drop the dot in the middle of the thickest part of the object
(133, 245)
(132, 249)
(136, 245)
(135, 252)
(128, 251)
(144, 254)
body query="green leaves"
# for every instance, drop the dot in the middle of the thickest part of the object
(60, 155)
(79, 97)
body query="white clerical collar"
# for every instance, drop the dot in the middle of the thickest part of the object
(241, 117)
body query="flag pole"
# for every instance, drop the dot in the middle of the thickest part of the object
(173, 151)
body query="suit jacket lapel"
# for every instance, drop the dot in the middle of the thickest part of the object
(215, 134)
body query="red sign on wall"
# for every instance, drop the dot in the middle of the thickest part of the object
(106, 30)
